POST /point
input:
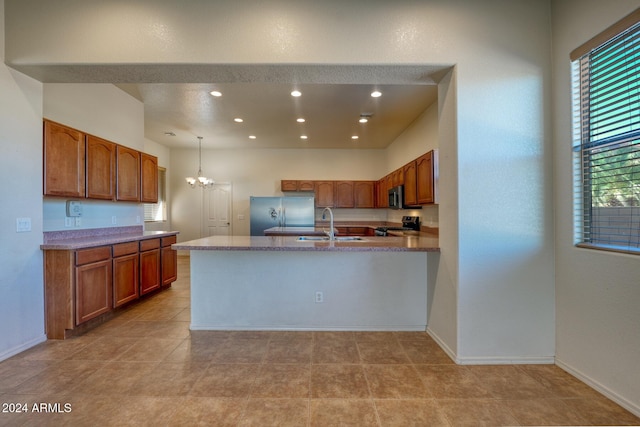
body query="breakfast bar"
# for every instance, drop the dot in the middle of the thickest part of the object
(283, 283)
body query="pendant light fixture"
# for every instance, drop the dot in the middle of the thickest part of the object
(201, 181)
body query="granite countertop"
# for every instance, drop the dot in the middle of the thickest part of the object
(289, 243)
(80, 239)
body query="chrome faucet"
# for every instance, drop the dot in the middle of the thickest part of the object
(330, 233)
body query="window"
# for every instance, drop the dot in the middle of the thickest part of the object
(606, 100)
(158, 211)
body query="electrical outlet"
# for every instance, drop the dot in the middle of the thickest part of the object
(138, 219)
(78, 221)
(68, 222)
(319, 297)
(114, 220)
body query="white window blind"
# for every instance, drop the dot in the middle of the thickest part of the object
(158, 211)
(607, 143)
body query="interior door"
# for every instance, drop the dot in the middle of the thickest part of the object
(217, 210)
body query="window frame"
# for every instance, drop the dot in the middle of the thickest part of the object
(587, 144)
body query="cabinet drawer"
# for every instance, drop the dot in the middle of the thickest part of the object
(128, 248)
(168, 241)
(87, 256)
(146, 245)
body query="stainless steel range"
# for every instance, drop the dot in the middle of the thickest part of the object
(409, 223)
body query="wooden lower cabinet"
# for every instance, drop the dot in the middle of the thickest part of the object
(168, 261)
(149, 266)
(84, 284)
(93, 292)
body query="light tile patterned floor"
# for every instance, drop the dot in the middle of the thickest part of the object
(146, 368)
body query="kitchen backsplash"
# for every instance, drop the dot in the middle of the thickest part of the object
(95, 214)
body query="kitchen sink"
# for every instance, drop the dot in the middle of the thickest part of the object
(326, 239)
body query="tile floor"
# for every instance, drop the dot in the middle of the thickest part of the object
(145, 368)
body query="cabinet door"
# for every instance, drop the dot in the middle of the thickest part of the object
(397, 177)
(128, 174)
(425, 178)
(63, 161)
(364, 194)
(148, 178)
(344, 194)
(93, 290)
(382, 199)
(125, 279)
(305, 185)
(169, 264)
(101, 166)
(410, 190)
(149, 271)
(324, 193)
(288, 185)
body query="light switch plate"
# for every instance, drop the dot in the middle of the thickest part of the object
(23, 225)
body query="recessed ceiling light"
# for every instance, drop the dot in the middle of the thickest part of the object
(252, 137)
(376, 94)
(354, 137)
(303, 136)
(238, 120)
(300, 120)
(170, 134)
(363, 119)
(216, 93)
(296, 93)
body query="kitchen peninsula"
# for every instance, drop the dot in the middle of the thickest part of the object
(281, 283)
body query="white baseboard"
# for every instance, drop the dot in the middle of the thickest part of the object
(25, 346)
(620, 400)
(442, 344)
(524, 360)
(404, 328)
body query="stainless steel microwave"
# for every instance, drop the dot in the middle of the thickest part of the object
(396, 197)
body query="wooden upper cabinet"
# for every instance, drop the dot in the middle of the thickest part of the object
(410, 190)
(344, 194)
(63, 161)
(398, 177)
(324, 193)
(425, 177)
(364, 194)
(293, 185)
(305, 185)
(288, 185)
(101, 167)
(128, 174)
(148, 178)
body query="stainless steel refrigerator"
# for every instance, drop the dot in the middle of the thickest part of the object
(267, 212)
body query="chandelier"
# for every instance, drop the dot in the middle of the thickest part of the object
(200, 180)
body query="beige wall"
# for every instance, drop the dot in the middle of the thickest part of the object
(597, 293)
(21, 290)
